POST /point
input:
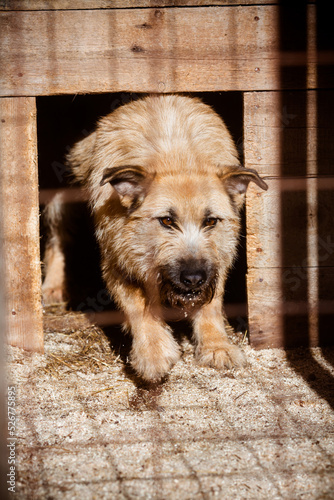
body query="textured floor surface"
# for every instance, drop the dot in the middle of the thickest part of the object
(88, 429)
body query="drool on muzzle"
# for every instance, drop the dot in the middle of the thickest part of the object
(190, 283)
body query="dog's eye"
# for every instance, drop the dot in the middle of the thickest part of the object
(210, 222)
(166, 221)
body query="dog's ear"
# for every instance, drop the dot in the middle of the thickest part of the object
(130, 182)
(236, 180)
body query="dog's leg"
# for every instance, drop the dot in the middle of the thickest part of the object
(213, 347)
(53, 288)
(53, 285)
(154, 350)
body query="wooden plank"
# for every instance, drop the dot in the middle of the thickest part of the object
(300, 320)
(3, 388)
(139, 50)
(288, 136)
(262, 150)
(285, 116)
(150, 50)
(262, 131)
(278, 222)
(119, 4)
(19, 187)
(290, 236)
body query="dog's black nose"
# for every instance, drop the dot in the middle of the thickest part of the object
(193, 279)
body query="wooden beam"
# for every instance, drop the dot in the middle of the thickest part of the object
(262, 150)
(20, 212)
(292, 323)
(286, 116)
(116, 4)
(3, 384)
(290, 238)
(150, 50)
(278, 223)
(139, 50)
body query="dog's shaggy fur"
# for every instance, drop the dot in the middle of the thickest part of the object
(165, 188)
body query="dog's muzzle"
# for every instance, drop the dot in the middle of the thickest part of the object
(190, 284)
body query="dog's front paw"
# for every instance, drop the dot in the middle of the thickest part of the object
(222, 355)
(153, 358)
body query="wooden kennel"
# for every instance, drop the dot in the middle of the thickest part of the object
(275, 54)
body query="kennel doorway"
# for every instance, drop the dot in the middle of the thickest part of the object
(286, 78)
(61, 121)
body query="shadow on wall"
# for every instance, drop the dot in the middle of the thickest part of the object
(307, 154)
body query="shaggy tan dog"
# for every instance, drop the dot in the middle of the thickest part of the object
(166, 188)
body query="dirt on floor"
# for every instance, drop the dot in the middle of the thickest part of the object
(88, 428)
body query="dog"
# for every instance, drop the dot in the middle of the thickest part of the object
(165, 187)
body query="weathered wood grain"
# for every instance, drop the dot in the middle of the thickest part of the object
(119, 4)
(286, 315)
(278, 222)
(281, 128)
(20, 212)
(283, 118)
(226, 47)
(290, 236)
(262, 151)
(3, 379)
(139, 50)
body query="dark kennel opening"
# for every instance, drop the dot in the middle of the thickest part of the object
(63, 120)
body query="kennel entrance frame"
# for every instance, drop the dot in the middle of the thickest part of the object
(49, 48)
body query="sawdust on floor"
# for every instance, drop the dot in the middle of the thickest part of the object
(88, 428)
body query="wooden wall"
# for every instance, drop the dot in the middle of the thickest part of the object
(276, 54)
(290, 235)
(230, 47)
(20, 212)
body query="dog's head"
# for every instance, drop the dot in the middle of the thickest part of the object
(181, 230)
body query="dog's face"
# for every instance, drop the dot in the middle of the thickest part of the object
(183, 229)
(197, 231)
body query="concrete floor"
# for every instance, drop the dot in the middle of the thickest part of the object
(89, 429)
